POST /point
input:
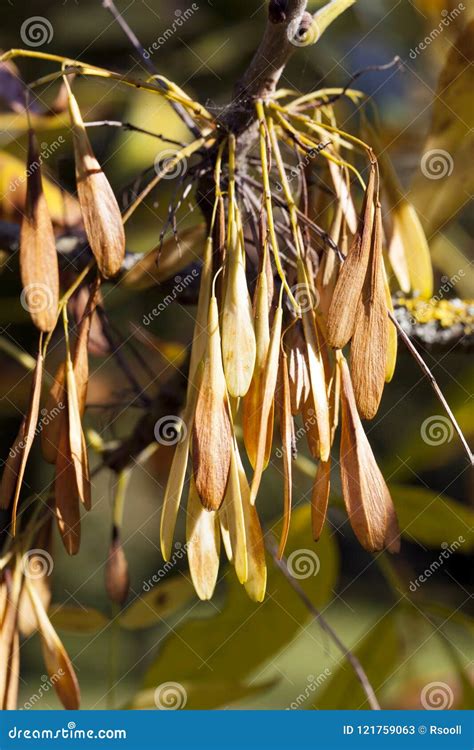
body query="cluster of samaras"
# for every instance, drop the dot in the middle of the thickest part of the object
(281, 353)
(318, 280)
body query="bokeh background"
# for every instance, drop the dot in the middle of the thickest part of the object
(231, 652)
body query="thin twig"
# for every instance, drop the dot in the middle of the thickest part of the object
(427, 372)
(324, 625)
(133, 39)
(132, 128)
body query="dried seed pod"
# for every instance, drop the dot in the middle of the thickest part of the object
(409, 251)
(269, 385)
(342, 312)
(286, 432)
(99, 207)
(252, 401)
(175, 483)
(14, 470)
(256, 582)
(300, 384)
(370, 340)
(363, 486)
(202, 544)
(38, 258)
(320, 497)
(238, 336)
(10, 590)
(235, 518)
(55, 404)
(317, 373)
(117, 580)
(57, 662)
(212, 431)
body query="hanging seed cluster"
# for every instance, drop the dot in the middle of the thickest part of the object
(292, 325)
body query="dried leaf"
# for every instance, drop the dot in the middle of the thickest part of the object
(364, 489)
(55, 405)
(320, 497)
(202, 544)
(38, 258)
(369, 343)
(252, 401)
(269, 385)
(286, 431)
(57, 662)
(212, 432)
(341, 318)
(238, 336)
(235, 518)
(23, 446)
(100, 210)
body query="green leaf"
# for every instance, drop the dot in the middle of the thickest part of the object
(198, 694)
(245, 635)
(164, 599)
(379, 654)
(432, 519)
(76, 619)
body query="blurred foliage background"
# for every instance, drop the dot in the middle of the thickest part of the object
(231, 651)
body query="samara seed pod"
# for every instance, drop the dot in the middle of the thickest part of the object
(345, 299)
(212, 431)
(202, 544)
(363, 486)
(370, 340)
(99, 207)
(38, 258)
